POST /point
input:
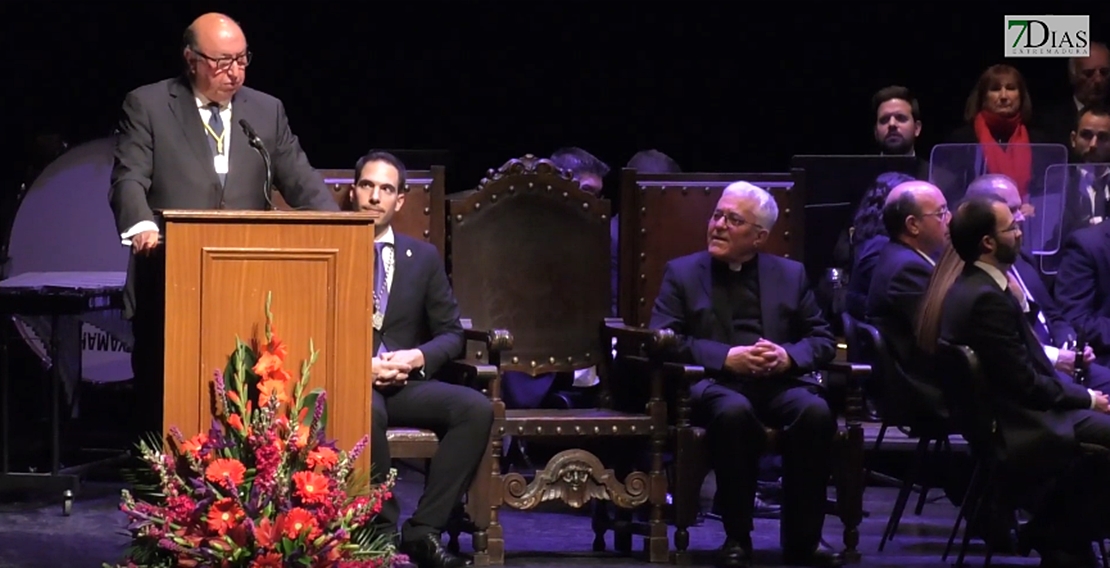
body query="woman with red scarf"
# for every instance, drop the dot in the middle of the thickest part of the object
(998, 113)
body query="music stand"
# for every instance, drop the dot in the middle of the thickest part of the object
(835, 184)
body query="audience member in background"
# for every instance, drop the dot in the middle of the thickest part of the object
(1087, 186)
(898, 124)
(998, 112)
(1090, 85)
(1037, 419)
(866, 238)
(1052, 329)
(586, 168)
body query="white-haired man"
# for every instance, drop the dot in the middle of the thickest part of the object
(750, 319)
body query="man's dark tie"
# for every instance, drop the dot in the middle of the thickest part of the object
(1098, 185)
(217, 125)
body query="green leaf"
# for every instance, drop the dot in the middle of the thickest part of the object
(310, 404)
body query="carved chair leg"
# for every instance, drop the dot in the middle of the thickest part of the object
(850, 493)
(600, 524)
(622, 531)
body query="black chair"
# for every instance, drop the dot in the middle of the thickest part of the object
(969, 401)
(896, 409)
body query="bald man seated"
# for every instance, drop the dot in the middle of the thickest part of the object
(1045, 316)
(751, 320)
(915, 216)
(181, 145)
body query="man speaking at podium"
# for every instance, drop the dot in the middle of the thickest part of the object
(190, 143)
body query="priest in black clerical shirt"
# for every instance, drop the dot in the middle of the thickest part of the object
(752, 322)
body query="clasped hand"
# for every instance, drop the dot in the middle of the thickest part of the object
(394, 367)
(763, 358)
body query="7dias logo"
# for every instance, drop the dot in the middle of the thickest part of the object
(1048, 36)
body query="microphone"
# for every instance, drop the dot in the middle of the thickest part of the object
(256, 143)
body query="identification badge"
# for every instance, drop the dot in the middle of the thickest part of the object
(220, 162)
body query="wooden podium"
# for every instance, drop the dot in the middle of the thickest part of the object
(319, 268)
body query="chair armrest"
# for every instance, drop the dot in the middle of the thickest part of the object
(474, 374)
(495, 340)
(854, 408)
(688, 374)
(654, 341)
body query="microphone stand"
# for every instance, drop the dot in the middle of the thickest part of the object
(269, 189)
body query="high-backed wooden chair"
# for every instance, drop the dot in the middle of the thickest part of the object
(664, 216)
(529, 251)
(422, 217)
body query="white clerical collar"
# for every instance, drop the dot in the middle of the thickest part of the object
(386, 237)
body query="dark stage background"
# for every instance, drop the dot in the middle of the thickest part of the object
(718, 85)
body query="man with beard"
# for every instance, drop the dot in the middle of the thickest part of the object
(1040, 308)
(1038, 419)
(898, 124)
(1090, 82)
(1089, 192)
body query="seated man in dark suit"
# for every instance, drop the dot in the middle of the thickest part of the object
(1039, 418)
(1047, 320)
(752, 322)
(1083, 286)
(916, 218)
(416, 331)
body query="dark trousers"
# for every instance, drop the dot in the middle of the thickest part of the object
(1075, 508)
(148, 353)
(735, 414)
(461, 417)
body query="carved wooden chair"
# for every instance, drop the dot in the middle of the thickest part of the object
(423, 217)
(664, 216)
(529, 252)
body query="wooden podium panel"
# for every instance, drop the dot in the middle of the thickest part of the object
(319, 269)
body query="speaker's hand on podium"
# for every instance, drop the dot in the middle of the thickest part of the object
(144, 242)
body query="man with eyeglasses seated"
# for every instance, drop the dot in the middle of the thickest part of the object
(751, 320)
(1036, 419)
(181, 146)
(916, 219)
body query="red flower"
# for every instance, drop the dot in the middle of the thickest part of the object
(311, 487)
(296, 522)
(194, 444)
(223, 516)
(219, 470)
(268, 560)
(266, 533)
(271, 388)
(235, 421)
(323, 457)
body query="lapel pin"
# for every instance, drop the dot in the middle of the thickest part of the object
(408, 252)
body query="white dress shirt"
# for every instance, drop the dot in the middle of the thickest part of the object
(205, 116)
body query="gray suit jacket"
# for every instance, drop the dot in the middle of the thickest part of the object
(163, 161)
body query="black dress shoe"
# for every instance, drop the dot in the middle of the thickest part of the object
(428, 552)
(820, 558)
(733, 554)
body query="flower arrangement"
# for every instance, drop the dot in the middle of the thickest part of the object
(261, 488)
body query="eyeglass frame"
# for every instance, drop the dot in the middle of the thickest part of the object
(225, 63)
(732, 219)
